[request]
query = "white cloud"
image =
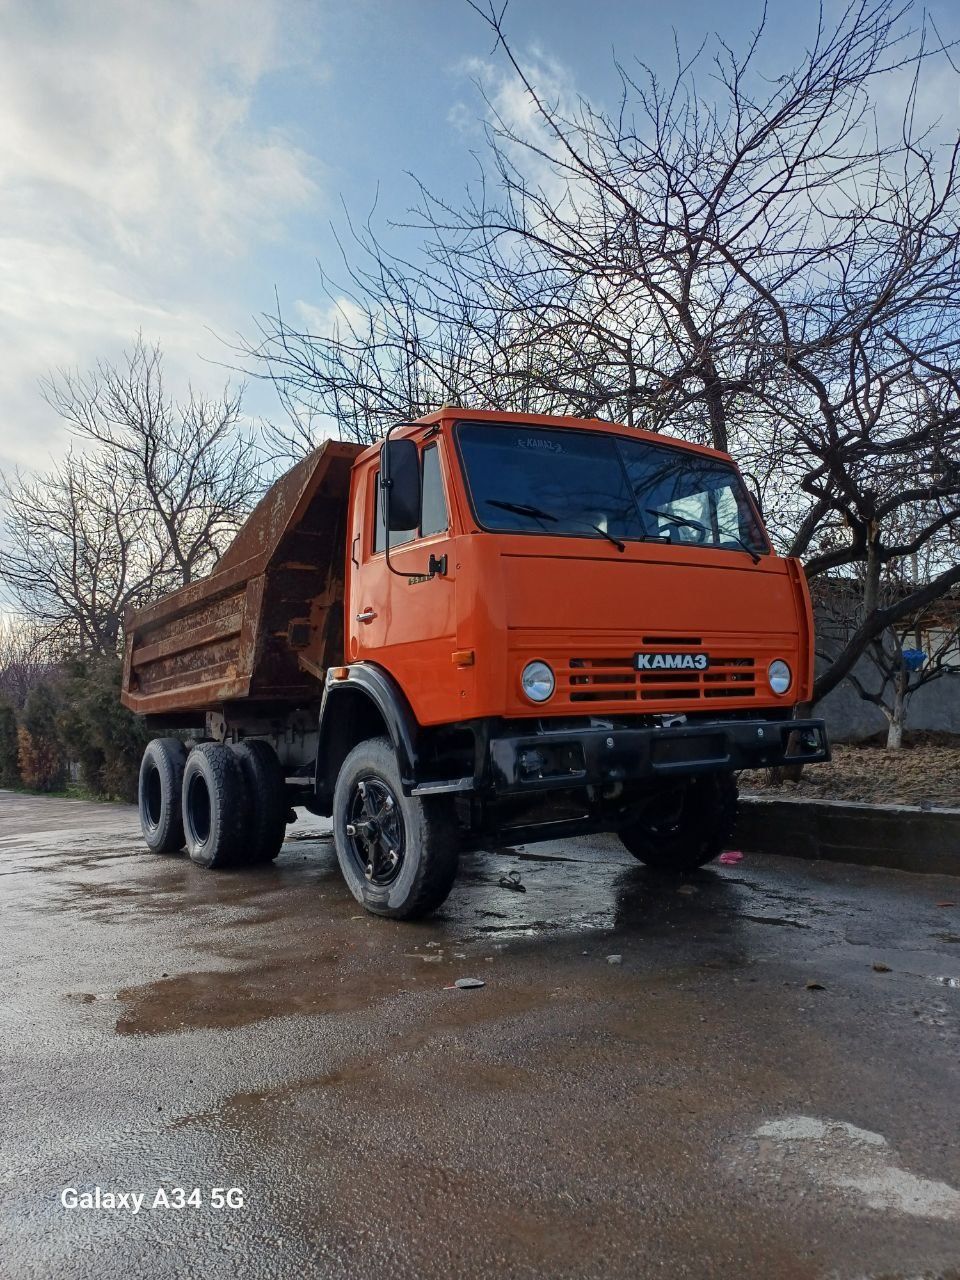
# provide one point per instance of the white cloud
(132, 164)
(532, 146)
(340, 314)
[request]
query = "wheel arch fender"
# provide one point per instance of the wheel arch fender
(366, 703)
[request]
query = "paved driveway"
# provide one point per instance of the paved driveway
(765, 1085)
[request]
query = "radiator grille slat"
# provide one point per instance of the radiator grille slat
(616, 679)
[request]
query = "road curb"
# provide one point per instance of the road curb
(903, 837)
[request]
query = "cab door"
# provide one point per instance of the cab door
(403, 617)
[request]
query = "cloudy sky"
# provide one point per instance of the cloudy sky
(167, 166)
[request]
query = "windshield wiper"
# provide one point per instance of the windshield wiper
(538, 513)
(697, 524)
(621, 546)
(735, 537)
(679, 520)
(522, 509)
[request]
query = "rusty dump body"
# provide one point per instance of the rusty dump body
(268, 621)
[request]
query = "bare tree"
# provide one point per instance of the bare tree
(150, 502)
(79, 551)
(26, 657)
(915, 652)
(188, 466)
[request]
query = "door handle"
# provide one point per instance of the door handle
(367, 615)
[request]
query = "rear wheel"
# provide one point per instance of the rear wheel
(398, 853)
(267, 792)
(686, 827)
(215, 807)
(158, 794)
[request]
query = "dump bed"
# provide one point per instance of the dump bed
(268, 621)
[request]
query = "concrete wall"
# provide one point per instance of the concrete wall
(849, 719)
(935, 707)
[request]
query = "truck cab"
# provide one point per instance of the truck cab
(549, 626)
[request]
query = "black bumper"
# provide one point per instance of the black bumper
(597, 757)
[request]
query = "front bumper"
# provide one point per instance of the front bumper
(599, 757)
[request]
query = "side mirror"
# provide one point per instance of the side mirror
(400, 484)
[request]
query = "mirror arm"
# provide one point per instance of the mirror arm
(385, 486)
(434, 566)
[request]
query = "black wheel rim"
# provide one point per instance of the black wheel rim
(666, 817)
(373, 832)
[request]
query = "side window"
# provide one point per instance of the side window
(397, 536)
(433, 512)
(728, 513)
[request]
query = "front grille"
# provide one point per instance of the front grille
(618, 680)
(602, 680)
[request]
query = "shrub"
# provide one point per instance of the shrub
(42, 762)
(98, 732)
(9, 747)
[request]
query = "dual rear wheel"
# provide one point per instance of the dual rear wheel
(227, 805)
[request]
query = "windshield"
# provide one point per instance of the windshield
(536, 479)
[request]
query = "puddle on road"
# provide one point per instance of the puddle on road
(306, 985)
(268, 940)
(231, 998)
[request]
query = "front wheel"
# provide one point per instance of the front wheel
(398, 853)
(687, 826)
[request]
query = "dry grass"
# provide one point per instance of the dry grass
(924, 773)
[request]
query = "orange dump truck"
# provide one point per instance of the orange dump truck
(489, 626)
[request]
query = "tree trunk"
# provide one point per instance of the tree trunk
(898, 712)
(794, 772)
(871, 584)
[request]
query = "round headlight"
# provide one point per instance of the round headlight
(537, 681)
(780, 676)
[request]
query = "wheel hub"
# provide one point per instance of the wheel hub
(374, 831)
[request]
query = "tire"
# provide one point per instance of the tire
(267, 797)
(688, 828)
(158, 794)
(421, 833)
(216, 809)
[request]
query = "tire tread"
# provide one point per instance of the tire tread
(264, 781)
(228, 804)
(169, 757)
(438, 851)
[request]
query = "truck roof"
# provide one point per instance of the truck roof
(454, 413)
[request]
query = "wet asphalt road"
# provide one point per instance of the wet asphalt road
(698, 1109)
